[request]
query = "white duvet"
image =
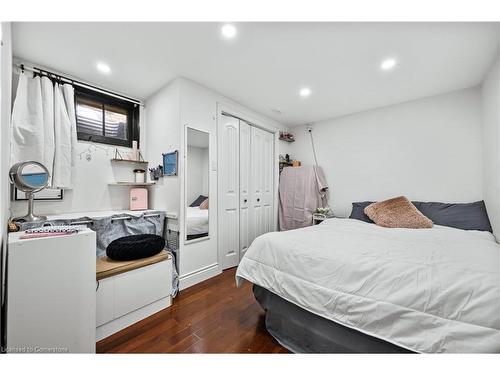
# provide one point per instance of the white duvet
(427, 290)
(197, 221)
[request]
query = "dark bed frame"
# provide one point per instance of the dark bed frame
(300, 331)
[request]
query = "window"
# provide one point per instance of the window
(105, 119)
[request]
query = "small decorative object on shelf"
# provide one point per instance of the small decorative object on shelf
(321, 214)
(287, 136)
(156, 173)
(140, 175)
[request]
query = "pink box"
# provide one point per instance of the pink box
(138, 199)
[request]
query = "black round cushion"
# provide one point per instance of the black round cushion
(135, 247)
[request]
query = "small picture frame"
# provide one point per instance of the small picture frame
(170, 163)
(44, 195)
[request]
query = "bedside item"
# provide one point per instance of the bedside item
(318, 218)
(29, 177)
(397, 212)
(138, 199)
(140, 175)
(170, 163)
(321, 214)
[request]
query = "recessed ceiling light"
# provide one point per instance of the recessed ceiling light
(228, 31)
(388, 64)
(103, 68)
(305, 92)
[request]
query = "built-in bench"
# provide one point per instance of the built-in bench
(106, 267)
(129, 291)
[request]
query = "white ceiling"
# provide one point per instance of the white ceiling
(267, 63)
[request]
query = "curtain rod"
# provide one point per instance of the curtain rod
(76, 82)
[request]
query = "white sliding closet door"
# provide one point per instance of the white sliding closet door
(245, 177)
(262, 151)
(245, 187)
(229, 191)
(268, 182)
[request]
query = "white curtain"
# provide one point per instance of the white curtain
(44, 127)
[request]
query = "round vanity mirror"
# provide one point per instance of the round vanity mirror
(29, 177)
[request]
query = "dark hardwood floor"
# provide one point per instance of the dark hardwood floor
(211, 317)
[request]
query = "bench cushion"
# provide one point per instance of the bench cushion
(135, 247)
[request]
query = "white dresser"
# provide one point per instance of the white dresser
(51, 289)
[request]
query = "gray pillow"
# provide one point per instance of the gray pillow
(468, 216)
(358, 211)
(198, 201)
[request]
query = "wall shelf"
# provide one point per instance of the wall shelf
(115, 160)
(124, 183)
(287, 140)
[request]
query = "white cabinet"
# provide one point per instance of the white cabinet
(131, 296)
(246, 186)
(51, 293)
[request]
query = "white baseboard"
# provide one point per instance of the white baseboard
(133, 317)
(195, 277)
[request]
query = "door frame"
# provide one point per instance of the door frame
(235, 111)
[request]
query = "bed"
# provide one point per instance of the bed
(197, 222)
(378, 289)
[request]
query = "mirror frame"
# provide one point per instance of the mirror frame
(15, 174)
(185, 202)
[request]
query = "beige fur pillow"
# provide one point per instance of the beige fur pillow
(204, 205)
(397, 213)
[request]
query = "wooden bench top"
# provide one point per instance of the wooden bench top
(106, 267)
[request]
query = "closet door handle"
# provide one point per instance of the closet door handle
(258, 199)
(245, 200)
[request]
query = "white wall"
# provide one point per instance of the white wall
(491, 144)
(163, 134)
(179, 104)
(5, 103)
(428, 149)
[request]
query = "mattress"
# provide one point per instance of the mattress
(427, 290)
(197, 221)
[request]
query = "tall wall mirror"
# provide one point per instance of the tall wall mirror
(197, 185)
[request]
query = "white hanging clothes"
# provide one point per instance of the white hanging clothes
(28, 132)
(69, 99)
(48, 124)
(44, 127)
(63, 141)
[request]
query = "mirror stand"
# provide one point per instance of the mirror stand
(30, 217)
(30, 177)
